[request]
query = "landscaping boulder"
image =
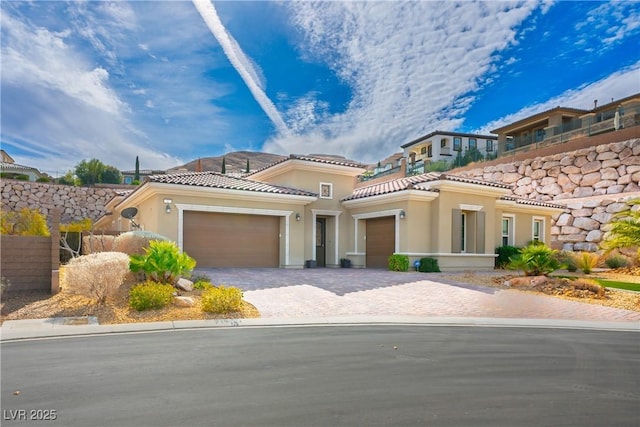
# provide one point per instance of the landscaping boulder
(184, 284)
(184, 301)
(528, 282)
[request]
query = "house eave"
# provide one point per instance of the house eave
(399, 196)
(305, 165)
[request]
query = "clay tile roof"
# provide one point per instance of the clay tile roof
(413, 182)
(315, 159)
(532, 202)
(218, 180)
(122, 192)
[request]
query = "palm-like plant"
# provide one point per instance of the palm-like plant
(625, 229)
(535, 260)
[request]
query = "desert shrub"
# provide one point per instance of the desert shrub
(589, 285)
(221, 299)
(4, 285)
(428, 265)
(199, 277)
(162, 262)
(135, 242)
(97, 243)
(535, 260)
(96, 276)
(202, 284)
(616, 261)
(26, 222)
(586, 261)
(150, 295)
(504, 255)
(567, 259)
(398, 262)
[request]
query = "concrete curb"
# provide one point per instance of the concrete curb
(16, 330)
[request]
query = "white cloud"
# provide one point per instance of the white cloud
(619, 85)
(408, 64)
(240, 62)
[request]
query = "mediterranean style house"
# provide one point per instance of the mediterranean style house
(440, 145)
(307, 210)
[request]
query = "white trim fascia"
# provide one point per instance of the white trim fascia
(511, 206)
(356, 253)
(466, 187)
(305, 165)
(400, 196)
(323, 212)
(470, 208)
(223, 193)
(237, 210)
(468, 255)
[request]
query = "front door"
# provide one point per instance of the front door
(321, 242)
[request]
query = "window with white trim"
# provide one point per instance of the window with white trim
(507, 230)
(326, 190)
(537, 234)
(457, 143)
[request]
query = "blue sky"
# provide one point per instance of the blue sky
(171, 81)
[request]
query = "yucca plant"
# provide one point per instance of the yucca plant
(586, 261)
(162, 262)
(535, 260)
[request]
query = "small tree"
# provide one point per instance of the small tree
(74, 229)
(224, 165)
(247, 168)
(136, 174)
(111, 175)
(27, 222)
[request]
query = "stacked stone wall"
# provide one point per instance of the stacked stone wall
(594, 184)
(75, 203)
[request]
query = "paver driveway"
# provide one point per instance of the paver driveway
(345, 292)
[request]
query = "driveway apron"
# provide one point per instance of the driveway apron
(324, 292)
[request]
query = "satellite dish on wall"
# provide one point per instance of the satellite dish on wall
(129, 213)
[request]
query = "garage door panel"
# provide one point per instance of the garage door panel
(232, 240)
(380, 241)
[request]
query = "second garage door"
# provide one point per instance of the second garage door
(381, 241)
(232, 240)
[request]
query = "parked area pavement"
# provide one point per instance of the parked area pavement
(361, 296)
(340, 292)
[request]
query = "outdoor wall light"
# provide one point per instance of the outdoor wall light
(298, 217)
(402, 214)
(167, 203)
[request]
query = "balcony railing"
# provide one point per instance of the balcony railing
(601, 123)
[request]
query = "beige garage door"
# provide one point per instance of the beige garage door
(381, 241)
(232, 240)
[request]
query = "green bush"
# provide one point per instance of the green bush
(221, 299)
(398, 262)
(504, 255)
(150, 295)
(567, 260)
(616, 261)
(162, 262)
(202, 284)
(535, 260)
(429, 265)
(586, 261)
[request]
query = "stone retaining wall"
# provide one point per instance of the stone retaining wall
(594, 183)
(75, 203)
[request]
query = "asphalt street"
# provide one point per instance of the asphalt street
(396, 375)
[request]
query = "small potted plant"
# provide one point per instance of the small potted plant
(345, 263)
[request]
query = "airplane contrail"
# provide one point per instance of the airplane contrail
(239, 61)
